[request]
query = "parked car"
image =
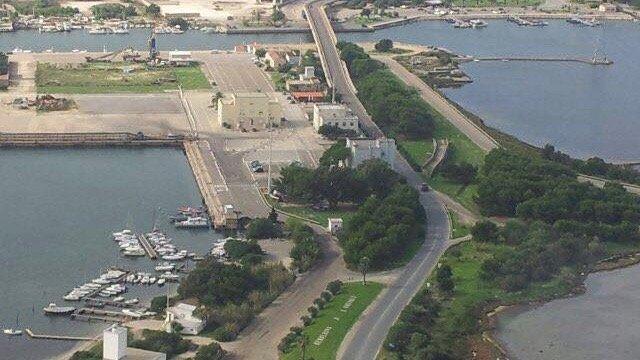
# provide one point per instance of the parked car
(424, 187)
(256, 166)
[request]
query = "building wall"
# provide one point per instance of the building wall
(363, 150)
(334, 115)
(248, 111)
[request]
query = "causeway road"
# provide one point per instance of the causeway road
(479, 137)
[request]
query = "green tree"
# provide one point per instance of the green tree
(485, 231)
(262, 228)
(212, 351)
(277, 15)
(153, 10)
(261, 52)
(365, 12)
(336, 154)
(444, 277)
(384, 45)
(158, 304)
(363, 267)
(180, 22)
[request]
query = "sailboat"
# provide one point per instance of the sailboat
(14, 331)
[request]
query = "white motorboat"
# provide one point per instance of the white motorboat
(161, 281)
(193, 222)
(12, 332)
(132, 301)
(53, 309)
(71, 297)
(118, 299)
(165, 266)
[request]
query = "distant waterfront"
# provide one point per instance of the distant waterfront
(583, 110)
(58, 209)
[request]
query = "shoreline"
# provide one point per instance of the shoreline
(490, 318)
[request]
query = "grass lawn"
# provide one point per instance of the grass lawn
(102, 78)
(416, 151)
(465, 195)
(333, 322)
(458, 229)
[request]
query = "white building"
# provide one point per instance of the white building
(182, 58)
(114, 347)
(608, 8)
(183, 314)
(335, 225)
(248, 110)
(366, 149)
(309, 73)
(334, 115)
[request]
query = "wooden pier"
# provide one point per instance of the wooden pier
(93, 314)
(151, 252)
(57, 337)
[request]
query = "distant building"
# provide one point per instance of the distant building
(274, 59)
(181, 58)
(334, 115)
(335, 225)
(248, 110)
(309, 73)
(366, 149)
(182, 314)
(114, 347)
(309, 96)
(608, 8)
(312, 84)
(292, 58)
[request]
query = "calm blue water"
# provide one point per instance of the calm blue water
(58, 209)
(581, 109)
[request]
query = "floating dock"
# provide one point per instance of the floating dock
(151, 252)
(57, 337)
(93, 314)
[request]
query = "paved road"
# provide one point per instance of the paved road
(325, 40)
(234, 72)
(260, 339)
(364, 341)
(455, 117)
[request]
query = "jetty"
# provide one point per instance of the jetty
(57, 337)
(151, 252)
(93, 314)
(592, 61)
(203, 178)
(87, 139)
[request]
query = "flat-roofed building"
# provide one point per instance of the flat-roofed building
(181, 57)
(366, 149)
(248, 110)
(334, 115)
(183, 314)
(114, 347)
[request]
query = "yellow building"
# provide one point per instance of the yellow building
(251, 110)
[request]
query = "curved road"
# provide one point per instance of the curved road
(366, 337)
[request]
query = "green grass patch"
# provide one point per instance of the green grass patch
(279, 80)
(416, 151)
(329, 328)
(465, 195)
(458, 229)
(102, 78)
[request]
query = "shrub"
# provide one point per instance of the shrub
(313, 311)
(158, 304)
(262, 228)
(223, 334)
(319, 302)
(384, 45)
(334, 287)
(160, 341)
(485, 231)
(326, 296)
(306, 320)
(212, 351)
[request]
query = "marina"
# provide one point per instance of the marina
(133, 182)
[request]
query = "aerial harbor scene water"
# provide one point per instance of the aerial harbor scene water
(319, 179)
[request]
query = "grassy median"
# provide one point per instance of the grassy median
(103, 78)
(329, 328)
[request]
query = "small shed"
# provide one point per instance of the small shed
(335, 225)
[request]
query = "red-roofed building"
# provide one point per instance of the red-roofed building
(309, 96)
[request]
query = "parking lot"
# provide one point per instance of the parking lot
(234, 72)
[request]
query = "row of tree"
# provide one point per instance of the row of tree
(113, 11)
(396, 109)
(306, 250)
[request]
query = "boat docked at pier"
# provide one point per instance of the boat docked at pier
(53, 309)
(193, 222)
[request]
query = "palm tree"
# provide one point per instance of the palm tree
(363, 266)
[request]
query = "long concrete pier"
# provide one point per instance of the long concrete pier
(84, 140)
(57, 337)
(206, 185)
(557, 59)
